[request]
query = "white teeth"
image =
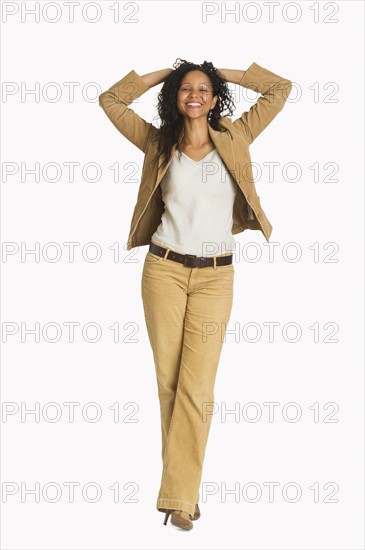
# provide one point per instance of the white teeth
(197, 104)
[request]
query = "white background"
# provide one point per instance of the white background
(319, 58)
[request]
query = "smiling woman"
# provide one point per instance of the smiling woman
(192, 95)
(192, 199)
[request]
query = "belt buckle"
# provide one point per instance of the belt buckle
(186, 258)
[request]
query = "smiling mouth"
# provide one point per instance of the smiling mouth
(194, 105)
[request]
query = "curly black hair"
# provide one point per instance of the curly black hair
(172, 121)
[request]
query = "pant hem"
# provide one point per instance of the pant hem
(164, 504)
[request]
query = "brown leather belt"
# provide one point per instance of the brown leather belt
(190, 260)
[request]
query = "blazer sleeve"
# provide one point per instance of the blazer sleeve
(275, 91)
(115, 101)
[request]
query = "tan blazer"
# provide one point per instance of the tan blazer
(232, 144)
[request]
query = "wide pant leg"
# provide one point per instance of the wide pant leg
(186, 311)
(164, 302)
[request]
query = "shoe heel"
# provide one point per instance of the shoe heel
(167, 516)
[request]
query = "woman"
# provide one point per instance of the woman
(196, 191)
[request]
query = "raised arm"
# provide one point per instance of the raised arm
(274, 89)
(156, 77)
(116, 99)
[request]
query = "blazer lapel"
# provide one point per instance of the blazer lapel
(223, 144)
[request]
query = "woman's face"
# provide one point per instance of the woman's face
(195, 95)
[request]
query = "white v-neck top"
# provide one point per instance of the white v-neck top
(198, 198)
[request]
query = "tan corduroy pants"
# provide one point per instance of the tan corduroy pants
(186, 311)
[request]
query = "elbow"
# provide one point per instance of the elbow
(101, 99)
(105, 98)
(289, 86)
